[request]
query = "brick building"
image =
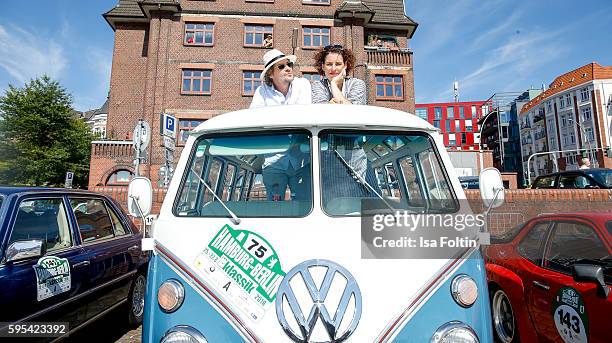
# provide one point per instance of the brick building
(574, 115)
(457, 121)
(199, 59)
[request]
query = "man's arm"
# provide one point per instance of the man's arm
(305, 96)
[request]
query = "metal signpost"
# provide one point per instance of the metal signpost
(141, 139)
(168, 133)
(69, 178)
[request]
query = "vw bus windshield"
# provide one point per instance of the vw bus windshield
(404, 170)
(253, 175)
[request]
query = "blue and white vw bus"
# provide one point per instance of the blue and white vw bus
(262, 237)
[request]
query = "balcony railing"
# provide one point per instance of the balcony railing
(112, 149)
(389, 57)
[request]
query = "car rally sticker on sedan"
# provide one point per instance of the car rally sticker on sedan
(52, 276)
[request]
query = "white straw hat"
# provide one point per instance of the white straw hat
(271, 57)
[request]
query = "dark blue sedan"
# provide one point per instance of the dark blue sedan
(67, 256)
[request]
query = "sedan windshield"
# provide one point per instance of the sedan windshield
(402, 171)
(603, 176)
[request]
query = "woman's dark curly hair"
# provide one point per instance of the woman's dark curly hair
(347, 56)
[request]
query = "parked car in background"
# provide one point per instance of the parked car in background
(67, 256)
(549, 279)
(576, 179)
(469, 182)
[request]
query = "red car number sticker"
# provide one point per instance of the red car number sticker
(570, 316)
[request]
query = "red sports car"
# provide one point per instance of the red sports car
(549, 280)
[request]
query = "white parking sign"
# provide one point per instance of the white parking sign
(168, 125)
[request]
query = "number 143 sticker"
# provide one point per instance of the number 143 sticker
(570, 316)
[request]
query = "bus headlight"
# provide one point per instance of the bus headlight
(455, 332)
(170, 295)
(183, 334)
(464, 290)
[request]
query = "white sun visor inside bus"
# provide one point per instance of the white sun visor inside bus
(237, 146)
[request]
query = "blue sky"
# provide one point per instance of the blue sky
(487, 45)
(65, 39)
(493, 46)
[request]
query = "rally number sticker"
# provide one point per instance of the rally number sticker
(570, 316)
(244, 267)
(52, 277)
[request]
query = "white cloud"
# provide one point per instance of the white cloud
(99, 61)
(511, 65)
(25, 55)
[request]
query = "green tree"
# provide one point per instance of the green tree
(40, 140)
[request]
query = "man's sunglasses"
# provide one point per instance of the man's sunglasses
(333, 47)
(282, 66)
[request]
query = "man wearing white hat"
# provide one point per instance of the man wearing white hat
(280, 86)
(292, 167)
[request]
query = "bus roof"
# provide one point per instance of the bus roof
(307, 116)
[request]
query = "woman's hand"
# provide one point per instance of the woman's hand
(338, 80)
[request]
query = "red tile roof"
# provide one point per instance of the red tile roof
(589, 72)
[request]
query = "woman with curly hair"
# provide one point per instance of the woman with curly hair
(334, 62)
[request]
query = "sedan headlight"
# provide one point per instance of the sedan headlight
(183, 334)
(170, 295)
(455, 332)
(464, 290)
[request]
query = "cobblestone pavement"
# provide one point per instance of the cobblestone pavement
(110, 328)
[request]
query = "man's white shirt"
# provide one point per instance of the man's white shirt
(299, 93)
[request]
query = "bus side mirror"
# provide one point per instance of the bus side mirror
(140, 197)
(491, 188)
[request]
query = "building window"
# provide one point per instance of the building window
(586, 113)
(450, 112)
(119, 178)
(437, 112)
(485, 110)
(461, 112)
(250, 82)
(563, 121)
(474, 111)
(196, 81)
(185, 126)
(561, 102)
(463, 138)
(258, 36)
(316, 2)
(452, 139)
(436, 124)
(468, 125)
(448, 126)
(589, 134)
(312, 77)
(568, 99)
(457, 125)
(315, 37)
(389, 87)
(584, 94)
(421, 113)
(572, 138)
(199, 34)
(549, 106)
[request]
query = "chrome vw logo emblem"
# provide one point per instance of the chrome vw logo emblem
(318, 311)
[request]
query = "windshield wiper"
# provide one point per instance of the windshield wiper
(235, 219)
(363, 181)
